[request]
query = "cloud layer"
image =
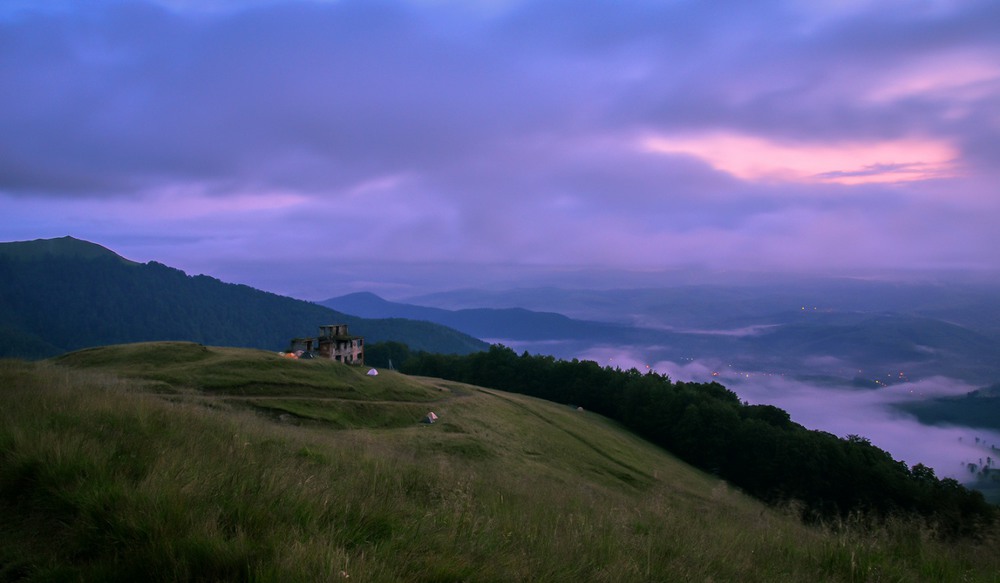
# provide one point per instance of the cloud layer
(783, 136)
(839, 409)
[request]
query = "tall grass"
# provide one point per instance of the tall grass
(101, 481)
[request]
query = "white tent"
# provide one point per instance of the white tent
(430, 418)
(373, 373)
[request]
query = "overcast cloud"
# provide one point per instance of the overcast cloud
(236, 138)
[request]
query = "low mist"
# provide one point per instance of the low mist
(840, 409)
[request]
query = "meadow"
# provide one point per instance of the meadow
(179, 462)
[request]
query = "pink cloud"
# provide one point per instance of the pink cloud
(958, 77)
(758, 159)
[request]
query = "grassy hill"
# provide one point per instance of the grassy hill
(176, 461)
(58, 295)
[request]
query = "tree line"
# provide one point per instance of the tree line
(757, 448)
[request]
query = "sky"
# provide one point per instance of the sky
(314, 148)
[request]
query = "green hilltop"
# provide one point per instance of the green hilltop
(59, 295)
(39, 249)
(176, 461)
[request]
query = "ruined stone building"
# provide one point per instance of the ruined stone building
(335, 343)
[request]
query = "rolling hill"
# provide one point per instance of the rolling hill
(58, 295)
(177, 461)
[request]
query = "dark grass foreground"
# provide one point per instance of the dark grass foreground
(229, 465)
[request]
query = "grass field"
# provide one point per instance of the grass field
(177, 462)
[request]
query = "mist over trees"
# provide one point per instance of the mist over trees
(757, 448)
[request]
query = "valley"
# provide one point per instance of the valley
(885, 360)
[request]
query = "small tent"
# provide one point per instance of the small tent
(373, 373)
(430, 418)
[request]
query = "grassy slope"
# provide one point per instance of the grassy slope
(174, 461)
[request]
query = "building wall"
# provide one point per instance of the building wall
(349, 350)
(335, 343)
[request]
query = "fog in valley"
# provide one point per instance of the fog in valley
(824, 404)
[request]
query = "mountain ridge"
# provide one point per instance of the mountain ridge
(759, 337)
(58, 295)
(492, 323)
(67, 246)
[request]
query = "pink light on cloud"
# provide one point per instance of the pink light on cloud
(758, 159)
(955, 77)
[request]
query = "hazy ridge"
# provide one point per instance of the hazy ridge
(784, 328)
(64, 294)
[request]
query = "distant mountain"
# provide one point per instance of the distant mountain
(980, 408)
(58, 295)
(971, 305)
(490, 323)
(839, 329)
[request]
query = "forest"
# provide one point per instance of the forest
(756, 448)
(65, 294)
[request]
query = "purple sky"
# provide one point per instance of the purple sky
(315, 148)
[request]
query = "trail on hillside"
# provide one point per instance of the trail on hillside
(590, 445)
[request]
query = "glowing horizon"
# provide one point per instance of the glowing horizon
(852, 163)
